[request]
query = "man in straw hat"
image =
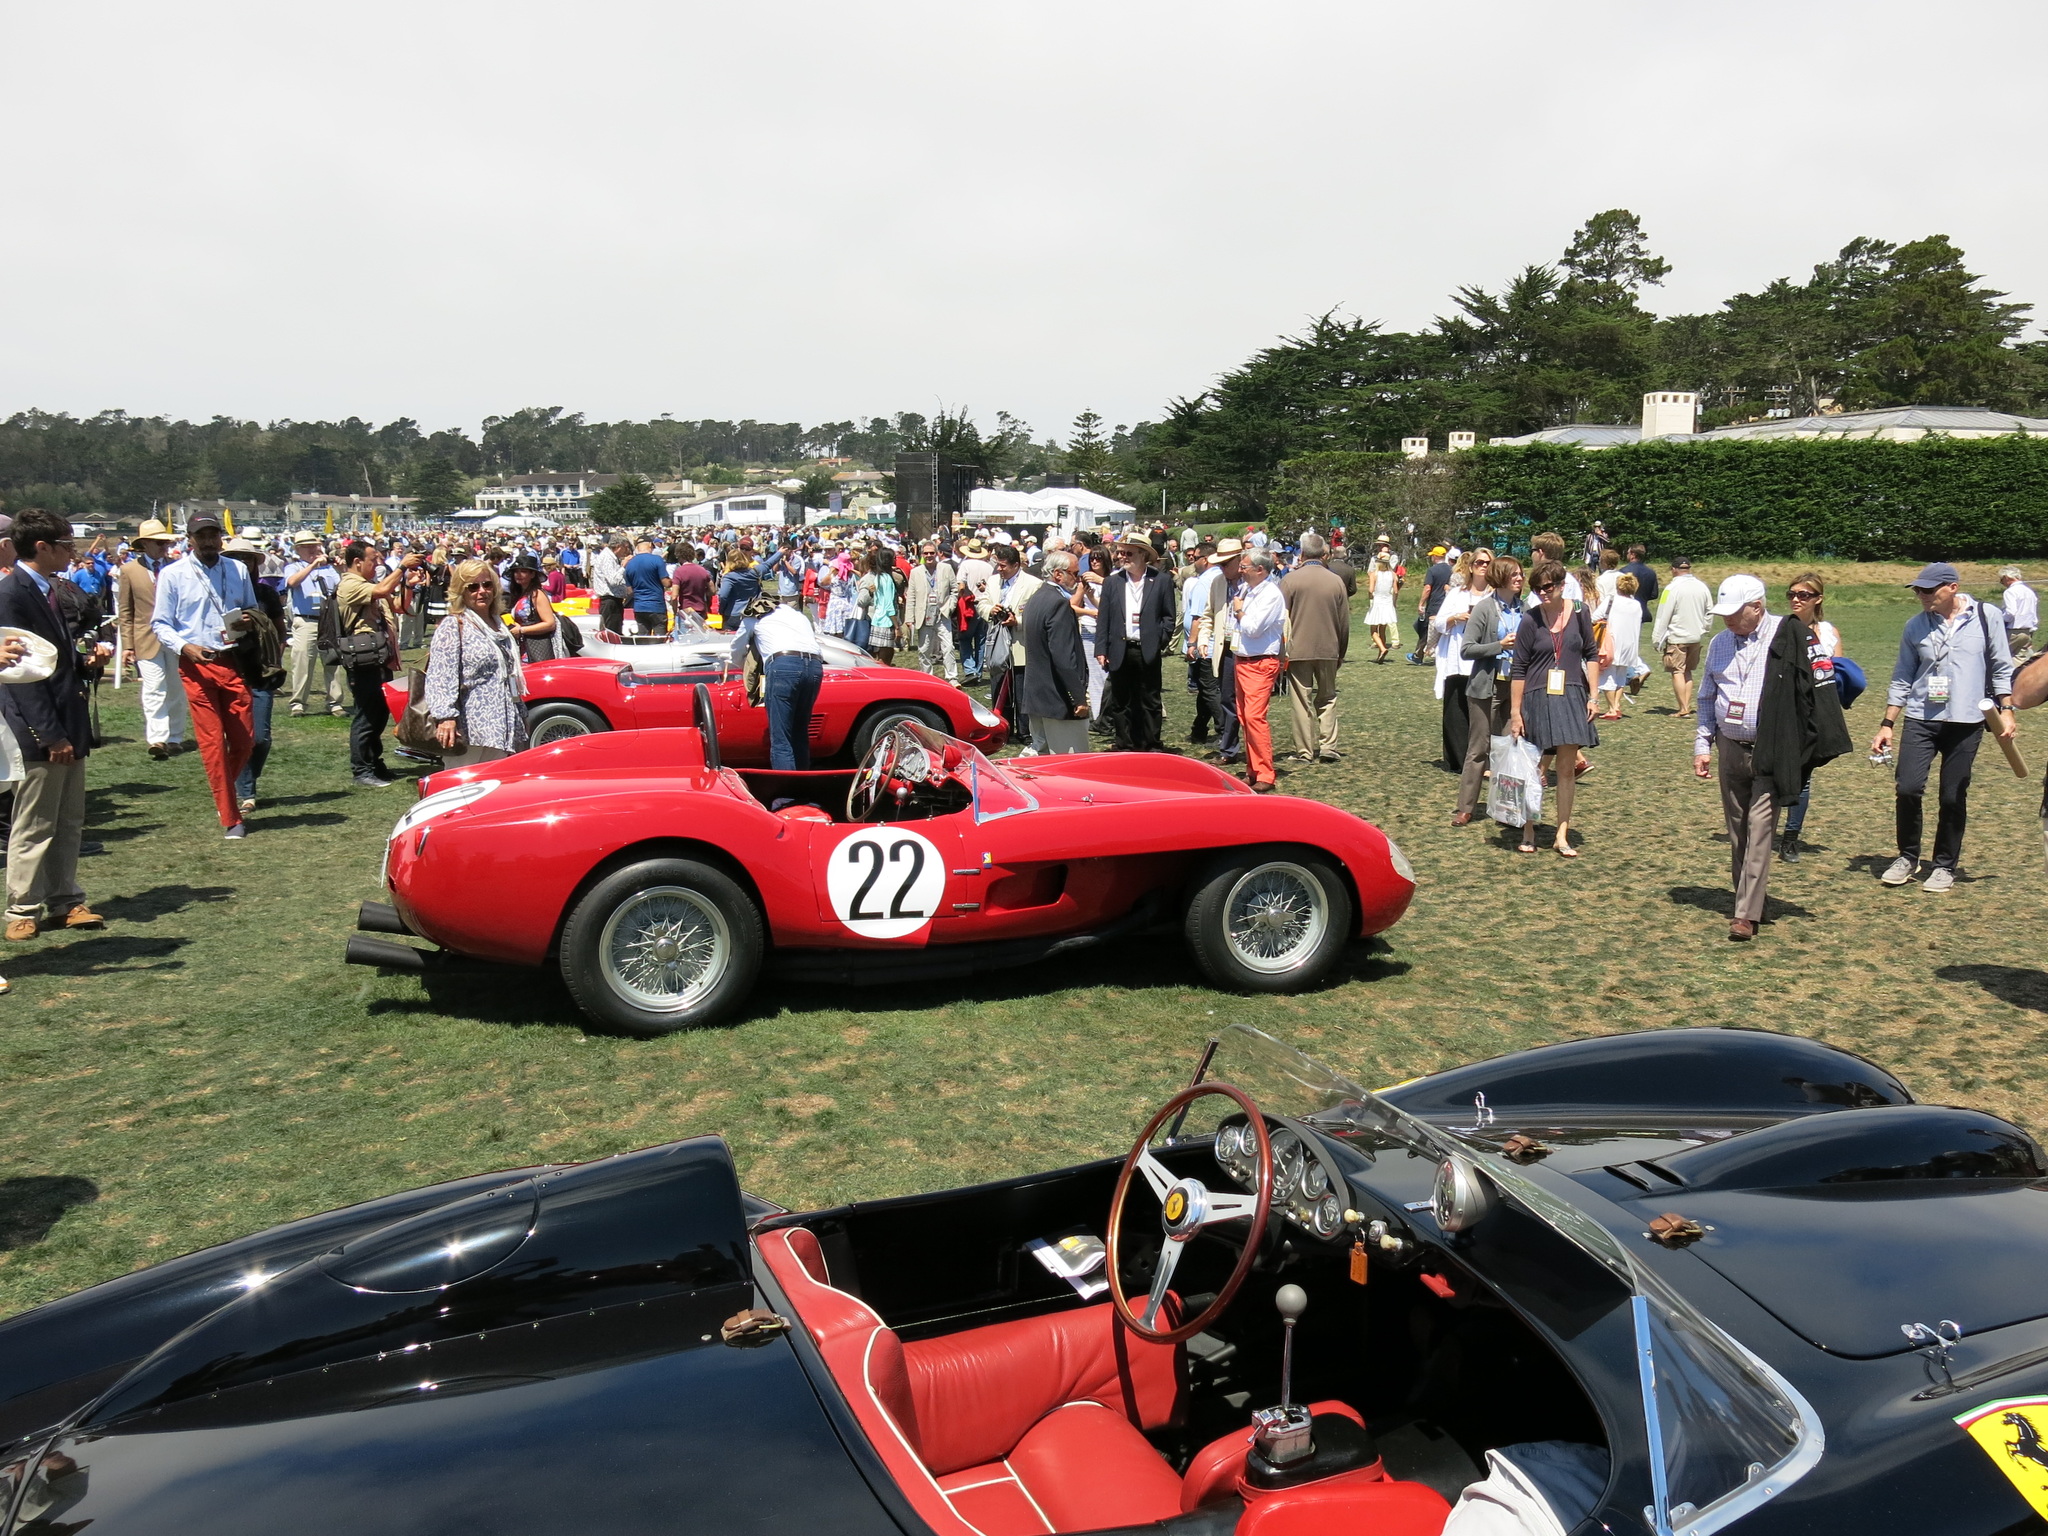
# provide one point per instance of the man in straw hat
(308, 581)
(164, 713)
(1133, 627)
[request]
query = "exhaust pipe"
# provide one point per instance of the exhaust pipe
(384, 954)
(381, 917)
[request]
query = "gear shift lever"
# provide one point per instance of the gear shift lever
(1281, 1436)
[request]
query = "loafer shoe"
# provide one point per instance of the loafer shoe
(21, 928)
(1741, 930)
(1939, 880)
(159, 751)
(83, 917)
(1899, 871)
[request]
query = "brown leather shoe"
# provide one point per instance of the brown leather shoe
(83, 917)
(1741, 930)
(1462, 819)
(21, 928)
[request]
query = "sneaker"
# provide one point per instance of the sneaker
(248, 805)
(337, 711)
(1788, 850)
(298, 710)
(238, 830)
(1938, 880)
(1900, 871)
(19, 928)
(372, 781)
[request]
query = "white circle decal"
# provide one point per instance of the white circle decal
(885, 882)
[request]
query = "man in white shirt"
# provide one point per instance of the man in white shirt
(2022, 611)
(1261, 620)
(974, 571)
(1681, 625)
(202, 605)
(608, 581)
(792, 669)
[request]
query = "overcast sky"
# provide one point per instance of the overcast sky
(809, 211)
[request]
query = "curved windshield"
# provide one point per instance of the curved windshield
(1727, 1432)
(992, 792)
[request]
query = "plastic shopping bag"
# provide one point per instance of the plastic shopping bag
(1514, 798)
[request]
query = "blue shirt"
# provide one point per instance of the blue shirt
(644, 574)
(571, 557)
(1953, 649)
(193, 601)
(309, 594)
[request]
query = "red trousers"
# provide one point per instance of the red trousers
(1257, 676)
(220, 719)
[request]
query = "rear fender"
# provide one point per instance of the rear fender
(660, 848)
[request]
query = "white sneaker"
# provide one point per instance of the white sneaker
(1939, 880)
(1900, 871)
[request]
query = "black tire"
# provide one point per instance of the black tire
(886, 717)
(1282, 880)
(601, 949)
(559, 720)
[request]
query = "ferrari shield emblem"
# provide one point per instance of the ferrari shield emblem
(1176, 1205)
(2014, 1434)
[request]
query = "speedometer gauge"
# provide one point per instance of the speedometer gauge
(1286, 1160)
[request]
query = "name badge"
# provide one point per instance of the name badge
(1937, 690)
(1738, 711)
(1556, 683)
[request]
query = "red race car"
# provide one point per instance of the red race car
(582, 695)
(659, 880)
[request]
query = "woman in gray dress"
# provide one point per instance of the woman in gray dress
(473, 687)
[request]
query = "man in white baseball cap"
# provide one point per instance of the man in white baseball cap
(1730, 707)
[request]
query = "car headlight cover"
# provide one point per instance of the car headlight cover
(1400, 860)
(441, 802)
(984, 717)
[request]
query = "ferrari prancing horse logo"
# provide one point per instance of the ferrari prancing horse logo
(2014, 1433)
(886, 882)
(1176, 1205)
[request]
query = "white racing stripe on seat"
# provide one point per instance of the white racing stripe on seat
(1027, 1494)
(867, 1377)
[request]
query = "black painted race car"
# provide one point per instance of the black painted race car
(1676, 1282)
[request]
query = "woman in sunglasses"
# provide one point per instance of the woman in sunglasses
(1808, 598)
(473, 688)
(1556, 675)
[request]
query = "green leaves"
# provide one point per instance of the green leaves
(631, 503)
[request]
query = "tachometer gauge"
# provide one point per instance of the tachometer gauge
(1286, 1161)
(1315, 1180)
(1329, 1217)
(1230, 1145)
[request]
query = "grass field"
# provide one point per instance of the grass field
(207, 1066)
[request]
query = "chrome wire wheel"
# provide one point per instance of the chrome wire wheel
(1275, 917)
(557, 728)
(664, 948)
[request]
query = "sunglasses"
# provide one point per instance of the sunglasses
(1550, 586)
(1803, 597)
(479, 586)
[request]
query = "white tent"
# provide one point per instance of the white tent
(514, 520)
(985, 502)
(1068, 507)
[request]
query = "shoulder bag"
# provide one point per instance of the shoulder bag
(419, 732)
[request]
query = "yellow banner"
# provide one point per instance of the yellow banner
(227, 519)
(330, 522)
(2014, 1434)
(376, 521)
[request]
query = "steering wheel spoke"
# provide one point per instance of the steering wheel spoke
(1155, 1174)
(1162, 1282)
(1223, 1208)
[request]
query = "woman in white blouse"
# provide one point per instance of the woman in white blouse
(473, 686)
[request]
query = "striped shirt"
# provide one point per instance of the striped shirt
(1732, 684)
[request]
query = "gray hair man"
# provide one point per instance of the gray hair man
(1055, 667)
(2022, 611)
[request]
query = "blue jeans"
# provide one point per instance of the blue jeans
(789, 687)
(260, 700)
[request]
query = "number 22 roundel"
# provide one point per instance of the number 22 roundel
(885, 882)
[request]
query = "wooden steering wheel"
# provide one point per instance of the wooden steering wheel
(1186, 1207)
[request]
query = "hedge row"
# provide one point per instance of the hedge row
(1938, 498)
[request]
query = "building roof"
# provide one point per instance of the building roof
(555, 477)
(1903, 421)
(1585, 434)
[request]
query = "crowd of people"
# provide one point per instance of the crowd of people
(1071, 634)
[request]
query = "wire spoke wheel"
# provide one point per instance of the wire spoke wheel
(664, 948)
(1275, 916)
(558, 728)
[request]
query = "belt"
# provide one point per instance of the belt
(769, 656)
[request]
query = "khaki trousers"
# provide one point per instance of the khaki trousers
(42, 850)
(1312, 691)
(305, 657)
(1752, 816)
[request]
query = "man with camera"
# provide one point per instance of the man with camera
(369, 654)
(308, 580)
(1001, 602)
(202, 603)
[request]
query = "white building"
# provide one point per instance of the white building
(312, 509)
(747, 507)
(560, 494)
(1670, 415)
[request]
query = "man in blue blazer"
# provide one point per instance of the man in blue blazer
(51, 723)
(1133, 628)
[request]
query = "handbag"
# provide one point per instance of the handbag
(1514, 796)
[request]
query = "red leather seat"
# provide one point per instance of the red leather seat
(1034, 1427)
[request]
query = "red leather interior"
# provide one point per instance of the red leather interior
(1218, 1465)
(1085, 1467)
(1365, 1508)
(978, 1392)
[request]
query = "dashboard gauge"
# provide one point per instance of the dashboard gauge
(1329, 1219)
(1229, 1145)
(1315, 1180)
(1286, 1161)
